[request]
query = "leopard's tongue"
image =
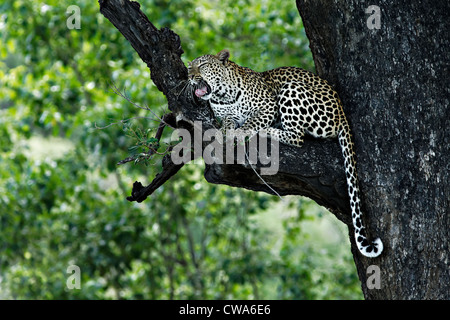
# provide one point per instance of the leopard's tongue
(201, 92)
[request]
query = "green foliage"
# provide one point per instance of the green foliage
(62, 196)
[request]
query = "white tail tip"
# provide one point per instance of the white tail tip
(372, 250)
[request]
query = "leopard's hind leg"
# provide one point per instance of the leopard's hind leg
(290, 137)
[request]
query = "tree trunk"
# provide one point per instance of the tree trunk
(392, 82)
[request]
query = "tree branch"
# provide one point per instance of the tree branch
(315, 170)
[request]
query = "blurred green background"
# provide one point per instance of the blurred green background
(62, 196)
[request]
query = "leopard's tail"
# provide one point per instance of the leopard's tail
(375, 248)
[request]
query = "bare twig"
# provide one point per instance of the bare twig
(120, 122)
(124, 95)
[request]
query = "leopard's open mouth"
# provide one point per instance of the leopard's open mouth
(202, 89)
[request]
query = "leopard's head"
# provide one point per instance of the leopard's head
(207, 73)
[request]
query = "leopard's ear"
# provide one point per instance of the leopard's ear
(223, 56)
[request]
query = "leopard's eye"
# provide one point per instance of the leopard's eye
(202, 65)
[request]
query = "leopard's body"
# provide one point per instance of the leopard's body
(287, 102)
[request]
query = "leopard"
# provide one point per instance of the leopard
(288, 103)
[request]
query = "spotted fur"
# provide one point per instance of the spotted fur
(287, 102)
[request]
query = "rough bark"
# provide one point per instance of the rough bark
(393, 85)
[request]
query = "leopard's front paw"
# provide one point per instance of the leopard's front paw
(244, 134)
(224, 135)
